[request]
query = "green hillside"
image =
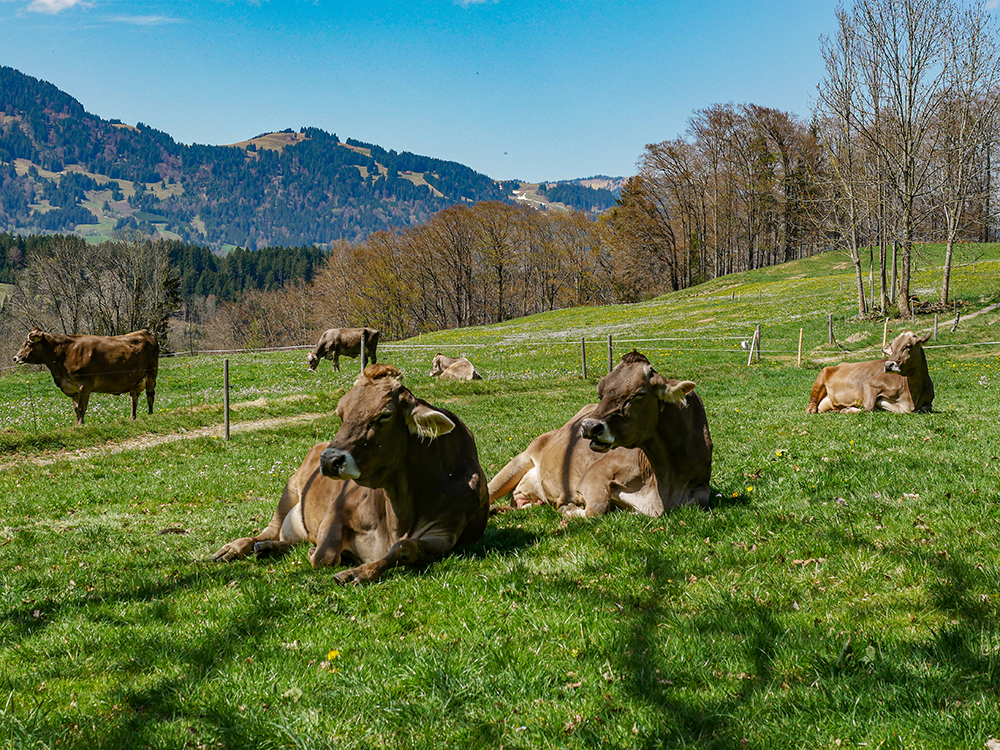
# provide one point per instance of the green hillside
(841, 592)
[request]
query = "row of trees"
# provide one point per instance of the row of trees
(70, 286)
(899, 150)
(908, 111)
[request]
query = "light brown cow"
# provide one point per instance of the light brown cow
(81, 365)
(900, 383)
(453, 368)
(646, 447)
(346, 341)
(400, 484)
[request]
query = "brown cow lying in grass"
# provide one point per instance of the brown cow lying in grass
(81, 365)
(900, 383)
(645, 447)
(453, 368)
(400, 484)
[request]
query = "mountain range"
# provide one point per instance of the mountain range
(63, 169)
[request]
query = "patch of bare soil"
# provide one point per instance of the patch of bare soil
(151, 441)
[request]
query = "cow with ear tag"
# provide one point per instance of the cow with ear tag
(400, 484)
(646, 448)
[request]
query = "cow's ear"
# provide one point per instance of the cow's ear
(600, 387)
(922, 339)
(35, 336)
(427, 422)
(671, 391)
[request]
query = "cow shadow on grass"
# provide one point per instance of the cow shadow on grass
(498, 541)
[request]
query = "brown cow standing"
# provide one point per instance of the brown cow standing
(646, 447)
(346, 341)
(453, 368)
(900, 383)
(81, 365)
(400, 484)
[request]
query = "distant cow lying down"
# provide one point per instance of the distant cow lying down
(453, 368)
(645, 447)
(400, 484)
(346, 341)
(81, 365)
(900, 383)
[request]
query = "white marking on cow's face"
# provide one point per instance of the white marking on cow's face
(350, 469)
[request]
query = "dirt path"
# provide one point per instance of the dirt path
(151, 441)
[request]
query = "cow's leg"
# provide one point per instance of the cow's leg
(825, 405)
(592, 496)
(329, 541)
(134, 395)
(80, 404)
(240, 548)
(870, 397)
(508, 477)
(409, 551)
(150, 389)
(818, 395)
(336, 361)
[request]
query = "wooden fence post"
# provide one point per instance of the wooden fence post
(583, 356)
(958, 317)
(798, 362)
(935, 325)
(829, 325)
(225, 396)
(885, 332)
(611, 362)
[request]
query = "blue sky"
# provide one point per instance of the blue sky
(515, 89)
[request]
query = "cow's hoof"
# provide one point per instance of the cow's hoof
(346, 577)
(265, 549)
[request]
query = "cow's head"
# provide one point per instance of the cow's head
(311, 361)
(437, 366)
(632, 397)
(905, 353)
(30, 352)
(378, 417)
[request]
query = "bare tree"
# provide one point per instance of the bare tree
(968, 117)
(895, 46)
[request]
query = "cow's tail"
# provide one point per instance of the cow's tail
(818, 394)
(507, 478)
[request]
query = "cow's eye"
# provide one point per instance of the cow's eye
(384, 416)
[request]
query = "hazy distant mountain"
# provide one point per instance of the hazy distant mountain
(64, 169)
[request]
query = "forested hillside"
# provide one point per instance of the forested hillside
(64, 169)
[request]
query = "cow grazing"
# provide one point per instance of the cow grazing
(900, 383)
(81, 365)
(346, 341)
(400, 484)
(453, 368)
(645, 447)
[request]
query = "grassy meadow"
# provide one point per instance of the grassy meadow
(842, 592)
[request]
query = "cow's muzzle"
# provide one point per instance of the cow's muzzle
(598, 433)
(891, 366)
(338, 464)
(19, 359)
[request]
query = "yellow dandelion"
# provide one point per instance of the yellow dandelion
(334, 654)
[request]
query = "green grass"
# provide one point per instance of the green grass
(842, 592)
